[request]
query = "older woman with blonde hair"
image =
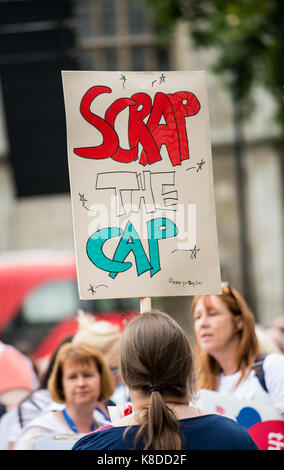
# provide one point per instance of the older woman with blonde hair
(81, 382)
(228, 353)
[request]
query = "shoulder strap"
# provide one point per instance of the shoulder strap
(20, 414)
(258, 368)
(2, 409)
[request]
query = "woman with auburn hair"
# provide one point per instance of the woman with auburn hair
(81, 381)
(157, 366)
(228, 354)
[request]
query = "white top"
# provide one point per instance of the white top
(251, 389)
(4, 427)
(48, 424)
(121, 395)
(10, 427)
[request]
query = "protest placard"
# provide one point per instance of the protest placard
(248, 412)
(264, 422)
(141, 180)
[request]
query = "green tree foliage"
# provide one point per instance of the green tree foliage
(248, 34)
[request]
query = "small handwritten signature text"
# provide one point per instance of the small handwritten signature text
(181, 283)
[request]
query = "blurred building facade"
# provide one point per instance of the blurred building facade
(119, 35)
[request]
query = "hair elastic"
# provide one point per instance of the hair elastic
(155, 388)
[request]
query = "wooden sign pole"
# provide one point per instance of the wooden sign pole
(145, 304)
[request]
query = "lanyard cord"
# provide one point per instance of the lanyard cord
(104, 415)
(71, 423)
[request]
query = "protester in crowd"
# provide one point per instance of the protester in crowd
(36, 403)
(227, 350)
(82, 381)
(17, 376)
(105, 337)
(157, 366)
(276, 331)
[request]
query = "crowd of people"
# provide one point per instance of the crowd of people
(81, 382)
(151, 374)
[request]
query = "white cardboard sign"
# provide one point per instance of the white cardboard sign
(141, 179)
(234, 408)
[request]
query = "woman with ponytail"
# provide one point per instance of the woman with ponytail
(157, 366)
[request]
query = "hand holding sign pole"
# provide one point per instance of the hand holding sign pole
(140, 169)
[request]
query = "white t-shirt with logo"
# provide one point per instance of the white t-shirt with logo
(251, 389)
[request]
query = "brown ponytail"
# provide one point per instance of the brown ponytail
(156, 359)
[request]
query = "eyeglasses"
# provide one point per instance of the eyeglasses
(225, 285)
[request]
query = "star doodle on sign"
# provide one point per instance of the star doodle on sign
(200, 165)
(82, 198)
(123, 77)
(162, 78)
(92, 289)
(194, 252)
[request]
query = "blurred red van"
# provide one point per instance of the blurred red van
(39, 301)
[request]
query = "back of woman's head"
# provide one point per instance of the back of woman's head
(156, 360)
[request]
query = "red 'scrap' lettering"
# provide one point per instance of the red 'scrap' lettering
(174, 108)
